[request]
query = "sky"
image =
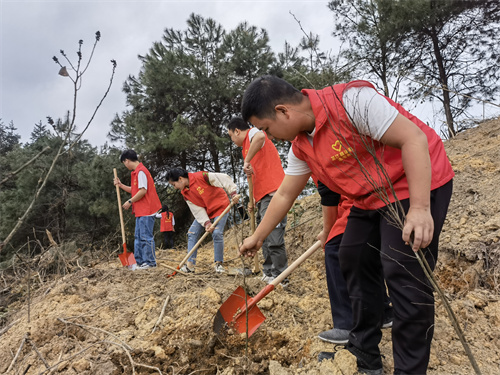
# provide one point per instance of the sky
(32, 32)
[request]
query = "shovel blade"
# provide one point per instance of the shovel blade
(127, 258)
(229, 313)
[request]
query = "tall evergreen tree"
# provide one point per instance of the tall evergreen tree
(189, 86)
(373, 34)
(455, 45)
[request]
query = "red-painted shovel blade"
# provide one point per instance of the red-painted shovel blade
(126, 258)
(232, 307)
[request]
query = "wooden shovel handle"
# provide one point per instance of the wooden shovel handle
(270, 287)
(204, 235)
(296, 263)
(251, 204)
(120, 206)
(256, 264)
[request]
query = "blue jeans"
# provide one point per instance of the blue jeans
(144, 243)
(195, 232)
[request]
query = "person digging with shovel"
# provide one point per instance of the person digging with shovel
(205, 195)
(145, 204)
(262, 164)
(367, 147)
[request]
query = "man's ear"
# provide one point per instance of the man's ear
(281, 109)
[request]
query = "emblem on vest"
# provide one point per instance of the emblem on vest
(200, 190)
(341, 154)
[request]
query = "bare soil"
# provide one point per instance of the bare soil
(100, 318)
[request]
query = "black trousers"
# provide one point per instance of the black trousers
(168, 239)
(371, 249)
(340, 304)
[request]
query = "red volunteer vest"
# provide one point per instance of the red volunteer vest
(266, 164)
(201, 193)
(344, 208)
(150, 203)
(166, 222)
(336, 141)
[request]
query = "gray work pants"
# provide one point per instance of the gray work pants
(273, 248)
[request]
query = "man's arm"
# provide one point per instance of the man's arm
(256, 143)
(281, 202)
(126, 188)
(412, 141)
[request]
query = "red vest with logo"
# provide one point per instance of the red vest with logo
(150, 203)
(266, 164)
(201, 193)
(166, 222)
(336, 141)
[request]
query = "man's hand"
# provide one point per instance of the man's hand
(250, 207)
(247, 168)
(419, 228)
(322, 236)
(250, 247)
(116, 181)
(127, 205)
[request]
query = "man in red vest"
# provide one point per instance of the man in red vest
(145, 203)
(368, 148)
(262, 163)
(205, 195)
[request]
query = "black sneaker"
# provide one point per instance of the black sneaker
(367, 364)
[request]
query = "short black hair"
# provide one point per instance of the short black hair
(174, 174)
(264, 93)
(128, 154)
(237, 123)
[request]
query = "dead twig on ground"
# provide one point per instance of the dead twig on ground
(161, 314)
(25, 337)
(87, 327)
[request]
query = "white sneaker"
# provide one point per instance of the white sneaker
(267, 279)
(219, 268)
(186, 269)
(144, 266)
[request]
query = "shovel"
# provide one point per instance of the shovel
(256, 264)
(127, 259)
(239, 308)
(202, 238)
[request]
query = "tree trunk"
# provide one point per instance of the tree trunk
(443, 78)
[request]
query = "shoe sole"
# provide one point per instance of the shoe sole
(387, 325)
(339, 342)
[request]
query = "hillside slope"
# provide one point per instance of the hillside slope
(99, 320)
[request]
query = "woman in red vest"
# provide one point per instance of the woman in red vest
(205, 195)
(145, 204)
(368, 148)
(167, 226)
